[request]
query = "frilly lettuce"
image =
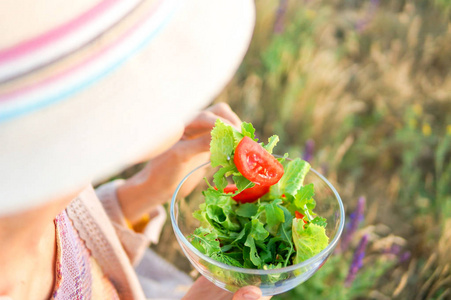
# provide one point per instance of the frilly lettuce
(309, 240)
(264, 234)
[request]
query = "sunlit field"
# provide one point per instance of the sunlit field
(361, 89)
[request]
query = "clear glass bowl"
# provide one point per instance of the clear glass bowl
(271, 282)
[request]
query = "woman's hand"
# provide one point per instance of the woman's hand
(156, 183)
(204, 289)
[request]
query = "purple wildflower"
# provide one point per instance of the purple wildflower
(369, 16)
(405, 256)
(395, 249)
(395, 252)
(308, 150)
(280, 17)
(351, 227)
(357, 261)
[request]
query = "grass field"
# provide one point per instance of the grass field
(363, 90)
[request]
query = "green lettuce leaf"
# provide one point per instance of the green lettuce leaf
(222, 144)
(276, 276)
(218, 211)
(253, 253)
(221, 218)
(320, 221)
(247, 210)
(248, 130)
(219, 178)
(292, 179)
(308, 241)
(241, 182)
(272, 142)
(274, 216)
(304, 201)
(205, 241)
(257, 233)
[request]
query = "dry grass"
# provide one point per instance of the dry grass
(374, 100)
(370, 83)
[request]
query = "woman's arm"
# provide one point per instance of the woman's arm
(156, 183)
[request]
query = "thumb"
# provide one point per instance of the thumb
(249, 293)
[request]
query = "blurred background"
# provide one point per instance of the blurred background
(362, 90)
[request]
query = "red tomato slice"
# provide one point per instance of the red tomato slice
(247, 195)
(300, 216)
(257, 164)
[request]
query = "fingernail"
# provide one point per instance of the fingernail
(251, 296)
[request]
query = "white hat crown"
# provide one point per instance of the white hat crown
(70, 117)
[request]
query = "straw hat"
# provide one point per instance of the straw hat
(87, 87)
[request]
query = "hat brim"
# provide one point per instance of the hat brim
(130, 112)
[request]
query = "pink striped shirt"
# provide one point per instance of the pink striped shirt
(78, 275)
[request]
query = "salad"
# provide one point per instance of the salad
(257, 212)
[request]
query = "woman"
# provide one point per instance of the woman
(85, 90)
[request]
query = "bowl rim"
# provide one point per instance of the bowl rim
(326, 251)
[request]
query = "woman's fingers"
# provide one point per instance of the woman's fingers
(193, 146)
(203, 123)
(224, 111)
(206, 120)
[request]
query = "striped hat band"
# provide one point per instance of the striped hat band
(70, 57)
